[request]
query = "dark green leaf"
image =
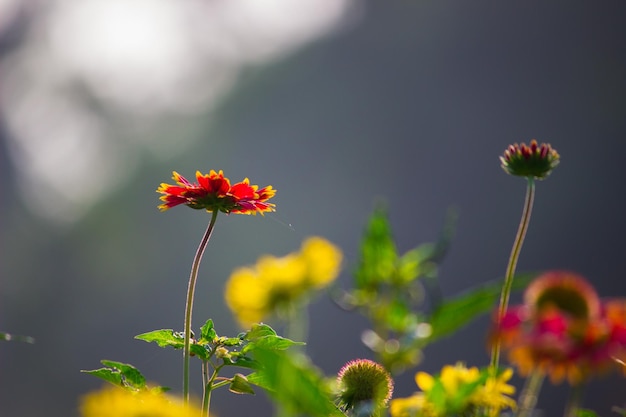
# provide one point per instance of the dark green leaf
(120, 374)
(130, 374)
(454, 314)
(200, 351)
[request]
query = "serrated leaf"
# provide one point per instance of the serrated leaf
(455, 313)
(207, 332)
(120, 374)
(130, 374)
(163, 338)
(107, 374)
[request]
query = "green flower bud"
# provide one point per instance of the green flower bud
(364, 385)
(534, 160)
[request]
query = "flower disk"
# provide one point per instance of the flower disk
(533, 161)
(213, 192)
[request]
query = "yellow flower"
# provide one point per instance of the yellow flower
(275, 284)
(413, 406)
(118, 402)
(452, 378)
(323, 260)
(457, 390)
(494, 395)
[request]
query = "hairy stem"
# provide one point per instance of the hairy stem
(189, 305)
(510, 270)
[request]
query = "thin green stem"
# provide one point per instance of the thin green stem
(573, 403)
(529, 395)
(189, 305)
(208, 389)
(510, 270)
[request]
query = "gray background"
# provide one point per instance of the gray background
(412, 103)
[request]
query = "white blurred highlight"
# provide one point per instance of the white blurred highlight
(88, 64)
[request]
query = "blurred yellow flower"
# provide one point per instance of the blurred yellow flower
(118, 402)
(415, 405)
(274, 283)
(459, 390)
(323, 261)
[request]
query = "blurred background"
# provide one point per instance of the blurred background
(337, 104)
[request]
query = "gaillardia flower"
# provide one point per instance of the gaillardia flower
(213, 192)
(534, 160)
(364, 383)
(118, 402)
(563, 329)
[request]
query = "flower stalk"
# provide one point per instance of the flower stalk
(529, 395)
(189, 304)
(513, 258)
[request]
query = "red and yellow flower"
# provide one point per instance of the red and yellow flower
(563, 329)
(214, 192)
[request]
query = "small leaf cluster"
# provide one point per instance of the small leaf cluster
(391, 290)
(211, 349)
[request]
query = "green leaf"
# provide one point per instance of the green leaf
(241, 360)
(229, 341)
(120, 374)
(378, 258)
(260, 380)
(16, 338)
(294, 383)
(259, 330)
(163, 338)
(454, 314)
(108, 374)
(416, 263)
(207, 332)
(200, 351)
(271, 342)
